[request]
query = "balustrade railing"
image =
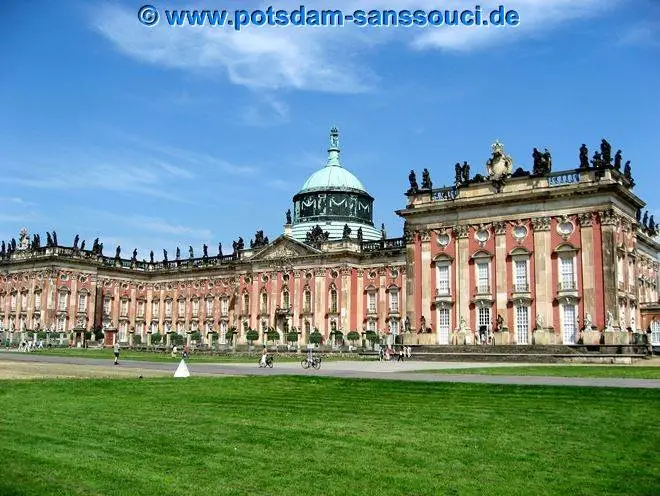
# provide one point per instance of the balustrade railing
(563, 177)
(383, 244)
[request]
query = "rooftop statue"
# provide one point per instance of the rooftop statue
(191, 253)
(165, 255)
(151, 256)
(597, 160)
(617, 160)
(82, 245)
(55, 239)
(288, 216)
(360, 235)
(606, 152)
(347, 232)
(413, 182)
(49, 240)
(458, 179)
(426, 180)
(219, 249)
(316, 235)
(178, 253)
(465, 172)
(383, 233)
(134, 257)
(205, 251)
(584, 157)
(334, 138)
(645, 221)
(118, 252)
(75, 242)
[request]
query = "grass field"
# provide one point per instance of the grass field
(107, 353)
(322, 436)
(605, 371)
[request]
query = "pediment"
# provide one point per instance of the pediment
(284, 248)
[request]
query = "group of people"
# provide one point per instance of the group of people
(385, 355)
(27, 346)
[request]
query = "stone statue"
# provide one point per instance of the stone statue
(95, 244)
(462, 325)
(638, 215)
(49, 240)
(55, 239)
(2, 249)
(191, 253)
(347, 232)
(134, 257)
(538, 161)
(422, 324)
(547, 161)
(165, 256)
(627, 172)
(13, 245)
(609, 320)
(632, 323)
(587, 322)
(465, 172)
(383, 233)
(652, 227)
(360, 236)
(100, 249)
(645, 221)
(622, 323)
(118, 252)
(219, 249)
(241, 243)
(178, 253)
(334, 138)
(584, 157)
(500, 322)
(597, 161)
(205, 251)
(316, 236)
(539, 321)
(617, 160)
(288, 216)
(413, 182)
(542, 162)
(426, 180)
(458, 179)
(606, 152)
(75, 242)
(151, 256)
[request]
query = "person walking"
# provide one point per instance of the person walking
(116, 350)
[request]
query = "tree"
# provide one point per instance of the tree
(230, 333)
(156, 338)
(372, 337)
(353, 336)
(137, 340)
(252, 335)
(315, 337)
(272, 334)
(176, 339)
(98, 333)
(195, 336)
(292, 336)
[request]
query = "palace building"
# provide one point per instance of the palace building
(506, 256)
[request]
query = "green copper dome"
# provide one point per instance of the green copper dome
(333, 176)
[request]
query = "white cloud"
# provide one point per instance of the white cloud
(330, 59)
(644, 34)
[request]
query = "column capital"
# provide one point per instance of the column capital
(586, 219)
(499, 227)
(461, 232)
(541, 223)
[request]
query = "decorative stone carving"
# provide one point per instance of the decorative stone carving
(424, 235)
(461, 232)
(319, 272)
(500, 165)
(608, 217)
(462, 326)
(586, 219)
(541, 223)
(539, 321)
(500, 227)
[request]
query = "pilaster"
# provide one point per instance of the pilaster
(501, 286)
(410, 280)
(462, 275)
(543, 270)
(609, 221)
(588, 266)
(425, 239)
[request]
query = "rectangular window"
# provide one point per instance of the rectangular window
(569, 324)
(371, 304)
(308, 326)
(140, 309)
(631, 274)
(61, 324)
(522, 324)
(12, 302)
(181, 308)
(82, 302)
(264, 302)
(209, 307)
(371, 325)
(37, 301)
(394, 327)
(285, 299)
(124, 308)
(333, 300)
(483, 285)
(224, 306)
(195, 308)
(394, 300)
(521, 276)
(24, 301)
(443, 280)
(567, 274)
(62, 302)
(484, 318)
(168, 308)
(308, 301)
(246, 304)
(155, 308)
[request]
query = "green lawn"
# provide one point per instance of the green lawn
(606, 371)
(107, 353)
(323, 436)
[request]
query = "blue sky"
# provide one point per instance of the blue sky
(157, 137)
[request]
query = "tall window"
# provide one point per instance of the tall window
(285, 299)
(168, 308)
(308, 326)
(567, 273)
(181, 308)
(123, 308)
(522, 324)
(155, 308)
(521, 275)
(443, 280)
(371, 325)
(333, 300)
(655, 332)
(246, 303)
(569, 324)
(37, 301)
(195, 308)
(308, 301)
(61, 324)
(224, 306)
(140, 309)
(371, 302)
(209, 306)
(264, 302)
(24, 304)
(82, 302)
(12, 302)
(484, 317)
(631, 274)
(483, 285)
(619, 270)
(394, 326)
(63, 302)
(394, 300)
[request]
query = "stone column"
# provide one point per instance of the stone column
(320, 300)
(609, 221)
(344, 320)
(500, 286)
(410, 280)
(360, 301)
(462, 276)
(425, 238)
(588, 269)
(543, 270)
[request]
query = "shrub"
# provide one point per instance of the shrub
(137, 339)
(177, 339)
(292, 336)
(156, 338)
(42, 335)
(273, 335)
(353, 336)
(252, 335)
(196, 336)
(98, 334)
(315, 337)
(372, 337)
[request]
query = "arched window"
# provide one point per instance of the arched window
(264, 302)
(246, 303)
(307, 305)
(334, 303)
(285, 299)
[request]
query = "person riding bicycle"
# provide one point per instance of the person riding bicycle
(264, 358)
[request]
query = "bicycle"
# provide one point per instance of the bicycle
(314, 362)
(269, 362)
